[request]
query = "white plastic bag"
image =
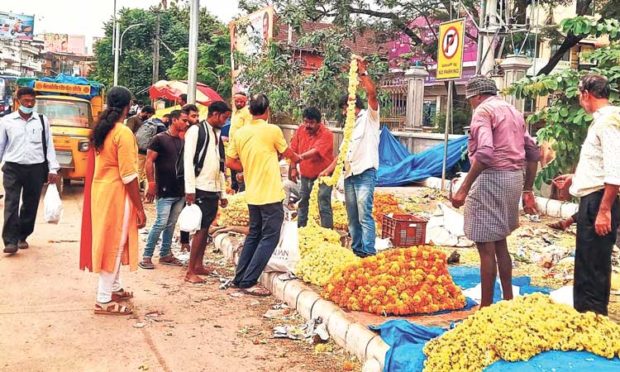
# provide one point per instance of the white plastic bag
(286, 256)
(52, 205)
(190, 218)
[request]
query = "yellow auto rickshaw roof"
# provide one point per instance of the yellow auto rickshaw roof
(61, 97)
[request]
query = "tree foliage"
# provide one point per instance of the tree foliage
(565, 122)
(136, 60)
(395, 17)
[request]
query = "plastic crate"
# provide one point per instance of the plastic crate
(405, 230)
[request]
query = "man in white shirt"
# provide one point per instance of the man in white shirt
(27, 149)
(361, 166)
(596, 182)
(205, 182)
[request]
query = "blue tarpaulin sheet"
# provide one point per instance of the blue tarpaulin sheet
(95, 87)
(398, 167)
(469, 277)
(407, 340)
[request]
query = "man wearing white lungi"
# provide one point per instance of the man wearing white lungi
(499, 148)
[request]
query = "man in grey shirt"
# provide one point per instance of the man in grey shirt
(27, 149)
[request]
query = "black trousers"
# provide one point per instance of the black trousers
(21, 182)
(265, 225)
(593, 256)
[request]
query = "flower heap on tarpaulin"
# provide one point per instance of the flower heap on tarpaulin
(236, 213)
(321, 254)
(518, 330)
(399, 281)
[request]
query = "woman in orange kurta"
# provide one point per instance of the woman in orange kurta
(116, 211)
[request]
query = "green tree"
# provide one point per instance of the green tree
(136, 60)
(391, 17)
(565, 122)
(213, 64)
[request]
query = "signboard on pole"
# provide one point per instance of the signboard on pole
(450, 50)
(16, 26)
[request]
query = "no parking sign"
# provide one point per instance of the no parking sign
(450, 50)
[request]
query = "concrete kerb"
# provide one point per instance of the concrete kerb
(354, 337)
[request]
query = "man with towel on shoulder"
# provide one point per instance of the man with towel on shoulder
(499, 148)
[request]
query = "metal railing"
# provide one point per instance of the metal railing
(393, 100)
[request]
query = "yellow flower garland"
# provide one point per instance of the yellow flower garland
(347, 134)
(321, 253)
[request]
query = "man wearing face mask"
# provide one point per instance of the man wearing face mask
(135, 122)
(27, 149)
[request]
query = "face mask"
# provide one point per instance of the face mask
(26, 110)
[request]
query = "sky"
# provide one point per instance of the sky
(86, 17)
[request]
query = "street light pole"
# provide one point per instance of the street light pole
(118, 47)
(123, 35)
(116, 52)
(192, 73)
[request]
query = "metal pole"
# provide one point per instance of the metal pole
(192, 73)
(116, 52)
(114, 29)
(156, 50)
(446, 132)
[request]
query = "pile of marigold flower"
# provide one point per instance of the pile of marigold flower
(518, 330)
(339, 212)
(385, 204)
(399, 281)
(236, 213)
(321, 254)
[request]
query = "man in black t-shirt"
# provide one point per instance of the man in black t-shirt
(162, 155)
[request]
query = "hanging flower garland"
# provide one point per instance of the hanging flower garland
(344, 150)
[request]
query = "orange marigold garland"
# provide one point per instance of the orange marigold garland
(399, 281)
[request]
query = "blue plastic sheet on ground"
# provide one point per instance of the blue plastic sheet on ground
(406, 353)
(406, 341)
(397, 167)
(468, 277)
(552, 361)
(95, 87)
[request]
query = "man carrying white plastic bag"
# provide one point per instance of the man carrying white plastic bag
(52, 205)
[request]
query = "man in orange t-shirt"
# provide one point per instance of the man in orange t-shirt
(315, 145)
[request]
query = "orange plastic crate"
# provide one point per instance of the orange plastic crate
(405, 230)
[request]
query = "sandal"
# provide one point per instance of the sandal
(146, 265)
(112, 308)
(170, 260)
(256, 291)
(121, 295)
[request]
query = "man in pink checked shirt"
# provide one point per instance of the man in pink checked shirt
(499, 148)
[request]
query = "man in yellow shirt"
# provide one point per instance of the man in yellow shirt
(240, 117)
(254, 149)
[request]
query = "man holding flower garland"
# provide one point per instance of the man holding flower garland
(361, 164)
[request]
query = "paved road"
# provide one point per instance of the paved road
(47, 323)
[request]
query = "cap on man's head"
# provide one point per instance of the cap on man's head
(480, 85)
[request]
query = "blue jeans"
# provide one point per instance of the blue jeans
(359, 197)
(168, 211)
(325, 203)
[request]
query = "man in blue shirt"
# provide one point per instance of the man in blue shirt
(27, 149)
